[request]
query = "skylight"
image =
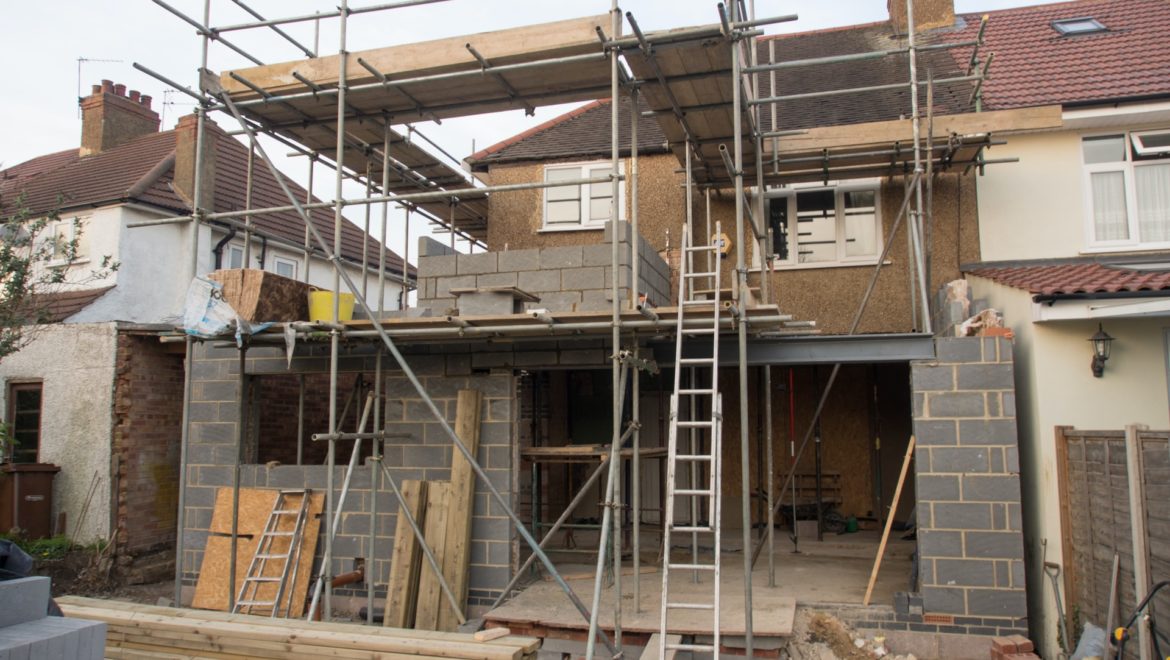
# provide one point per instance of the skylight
(1074, 26)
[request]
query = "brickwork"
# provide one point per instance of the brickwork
(148, 410)
(426, 454)
(566, 279)
(970, 542)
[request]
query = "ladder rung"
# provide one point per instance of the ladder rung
(692, 457)
(692, 567)
(692, 529)
(255, 603)
(276, 556)
(694, 492)
(697, 274)
(696, 360)
(262, 579)
(277, 534)
(698, 331)
(697, 390)
(286, 512)
(294, 491)
(697, 303)
(690, 606)
(701, 248)
(691, 424)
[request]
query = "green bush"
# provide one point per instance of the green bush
(55, 547)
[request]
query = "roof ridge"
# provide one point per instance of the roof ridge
(540, 128)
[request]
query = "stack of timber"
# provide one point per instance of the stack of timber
(146, 631)
(259, 296)
(255, 505)
(443, 510)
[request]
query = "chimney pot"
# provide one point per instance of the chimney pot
(145, 101)
(96, 89)
(108, 86)
(134, 95)
(120, 90)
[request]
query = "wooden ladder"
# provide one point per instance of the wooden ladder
(281, 546)
(701, 458)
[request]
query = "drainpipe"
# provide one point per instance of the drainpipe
(218, 249)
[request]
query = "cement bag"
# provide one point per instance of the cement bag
(206, 314)
(1092, 644)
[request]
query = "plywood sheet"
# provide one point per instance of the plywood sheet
(211, 590)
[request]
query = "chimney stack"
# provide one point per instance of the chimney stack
(928, 15)
(185, 141)
(109, 118)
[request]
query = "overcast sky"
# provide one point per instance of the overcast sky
(52, 49)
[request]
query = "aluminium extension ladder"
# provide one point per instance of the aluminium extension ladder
(279, 547)
(702, 457)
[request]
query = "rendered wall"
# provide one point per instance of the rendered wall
(76, 364)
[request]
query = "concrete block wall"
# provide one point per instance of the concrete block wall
(426, 454)
(566, 279)
(970, 541)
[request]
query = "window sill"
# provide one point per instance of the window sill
(824, 264)
(558, 230)
(60, 263)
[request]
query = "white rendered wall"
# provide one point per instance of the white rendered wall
(75, 363)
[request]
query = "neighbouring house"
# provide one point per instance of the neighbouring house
(96, 393)
(1074, 239)
(528, 324)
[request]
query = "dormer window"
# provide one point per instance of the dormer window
(1069, 27)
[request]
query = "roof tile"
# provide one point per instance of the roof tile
(1074, 278)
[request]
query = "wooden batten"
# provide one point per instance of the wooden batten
(457, 555)
(531, 42)
(406, 562)
(430, 594)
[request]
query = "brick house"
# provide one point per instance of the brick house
(96, 392)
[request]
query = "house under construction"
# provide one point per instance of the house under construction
(638, 391)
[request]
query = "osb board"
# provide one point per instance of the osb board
(260, 296)
(255, 505)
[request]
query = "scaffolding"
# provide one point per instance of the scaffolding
(341, 110)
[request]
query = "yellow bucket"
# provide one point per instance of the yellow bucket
(321, 306)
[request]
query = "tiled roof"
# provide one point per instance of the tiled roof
(1074, 278)
(58, 306)
(142, 170)
(1035, 65)
(580, 133)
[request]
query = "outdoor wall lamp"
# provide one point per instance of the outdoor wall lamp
(1101, 342)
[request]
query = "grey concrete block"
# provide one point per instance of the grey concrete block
(429, 247)
(518, 260)
(956, 404)
(944, 600)
(625, 230)
(994, 545)
(961, 516)
(443, 266)
(934, 543)
(964, 572)
(575, 279)
(991, 488)
(985, 376)
(539, 281)
(475, 264)
(560, 257)
(928, 377)
(937, 488)
(601, 254)
(25, 599)
(917, 405)
(445, 284)
(565, 301)
(996, 602)
(496, 279)
(930, 432)
(486, 303)
(959, 459)
(958, 349)
(987, 432)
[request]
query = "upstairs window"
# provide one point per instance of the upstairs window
(834, 225)
(1068, 27)
(1127, 188)
(24, 422)
(285, 267)
(69, 242)
(580, 206)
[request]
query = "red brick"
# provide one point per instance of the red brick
(1023, 644)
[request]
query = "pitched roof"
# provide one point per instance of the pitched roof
(580, 133)
(60, 305)
(1077, 277)
(142, 170)
(1035, 65)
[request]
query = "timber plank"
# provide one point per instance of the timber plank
(406, 560)
(430, 593)
(457, 550)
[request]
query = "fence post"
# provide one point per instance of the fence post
(1137, 519)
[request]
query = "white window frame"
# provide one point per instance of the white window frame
(66, 230)
(584, 190)
(842, 259)
(1130, 140)
(232, 249)
(278, 261)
